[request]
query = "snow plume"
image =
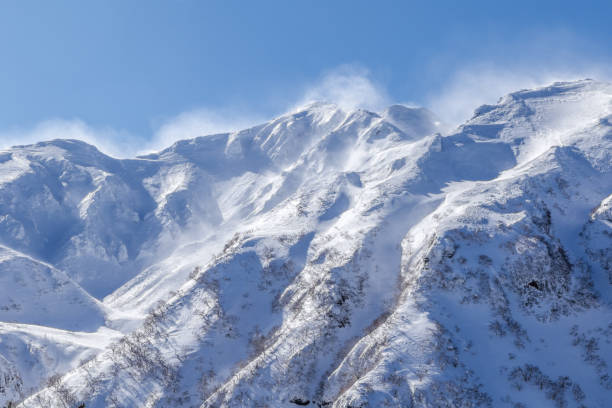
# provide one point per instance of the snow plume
(111, 141)
(485, 83)
(350, 87)
(122, 144)
(200, 122)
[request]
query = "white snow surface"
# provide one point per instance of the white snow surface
(325, 258)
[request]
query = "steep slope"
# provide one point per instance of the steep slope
(57, 199)
(152, 204)
(35, 293)
(31, 355)
(344, 259)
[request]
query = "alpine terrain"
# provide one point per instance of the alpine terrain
(327, 258)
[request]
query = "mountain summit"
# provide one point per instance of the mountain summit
(325, 258)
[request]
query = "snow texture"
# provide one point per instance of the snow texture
(326, 258)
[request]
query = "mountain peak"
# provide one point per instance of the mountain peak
(325, 257)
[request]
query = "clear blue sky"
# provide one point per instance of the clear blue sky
(131, 65)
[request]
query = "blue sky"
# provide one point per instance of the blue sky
(127, 74)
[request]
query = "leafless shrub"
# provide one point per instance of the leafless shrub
(61, 391)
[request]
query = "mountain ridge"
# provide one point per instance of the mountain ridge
(331, 258)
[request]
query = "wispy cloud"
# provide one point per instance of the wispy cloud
(122, 144)
(484, 83)
(348, 86)
(111, 141)
(201, 122)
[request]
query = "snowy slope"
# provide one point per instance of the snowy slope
(325, 258)
(35, 293)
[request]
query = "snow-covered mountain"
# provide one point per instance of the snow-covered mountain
(325, 258)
